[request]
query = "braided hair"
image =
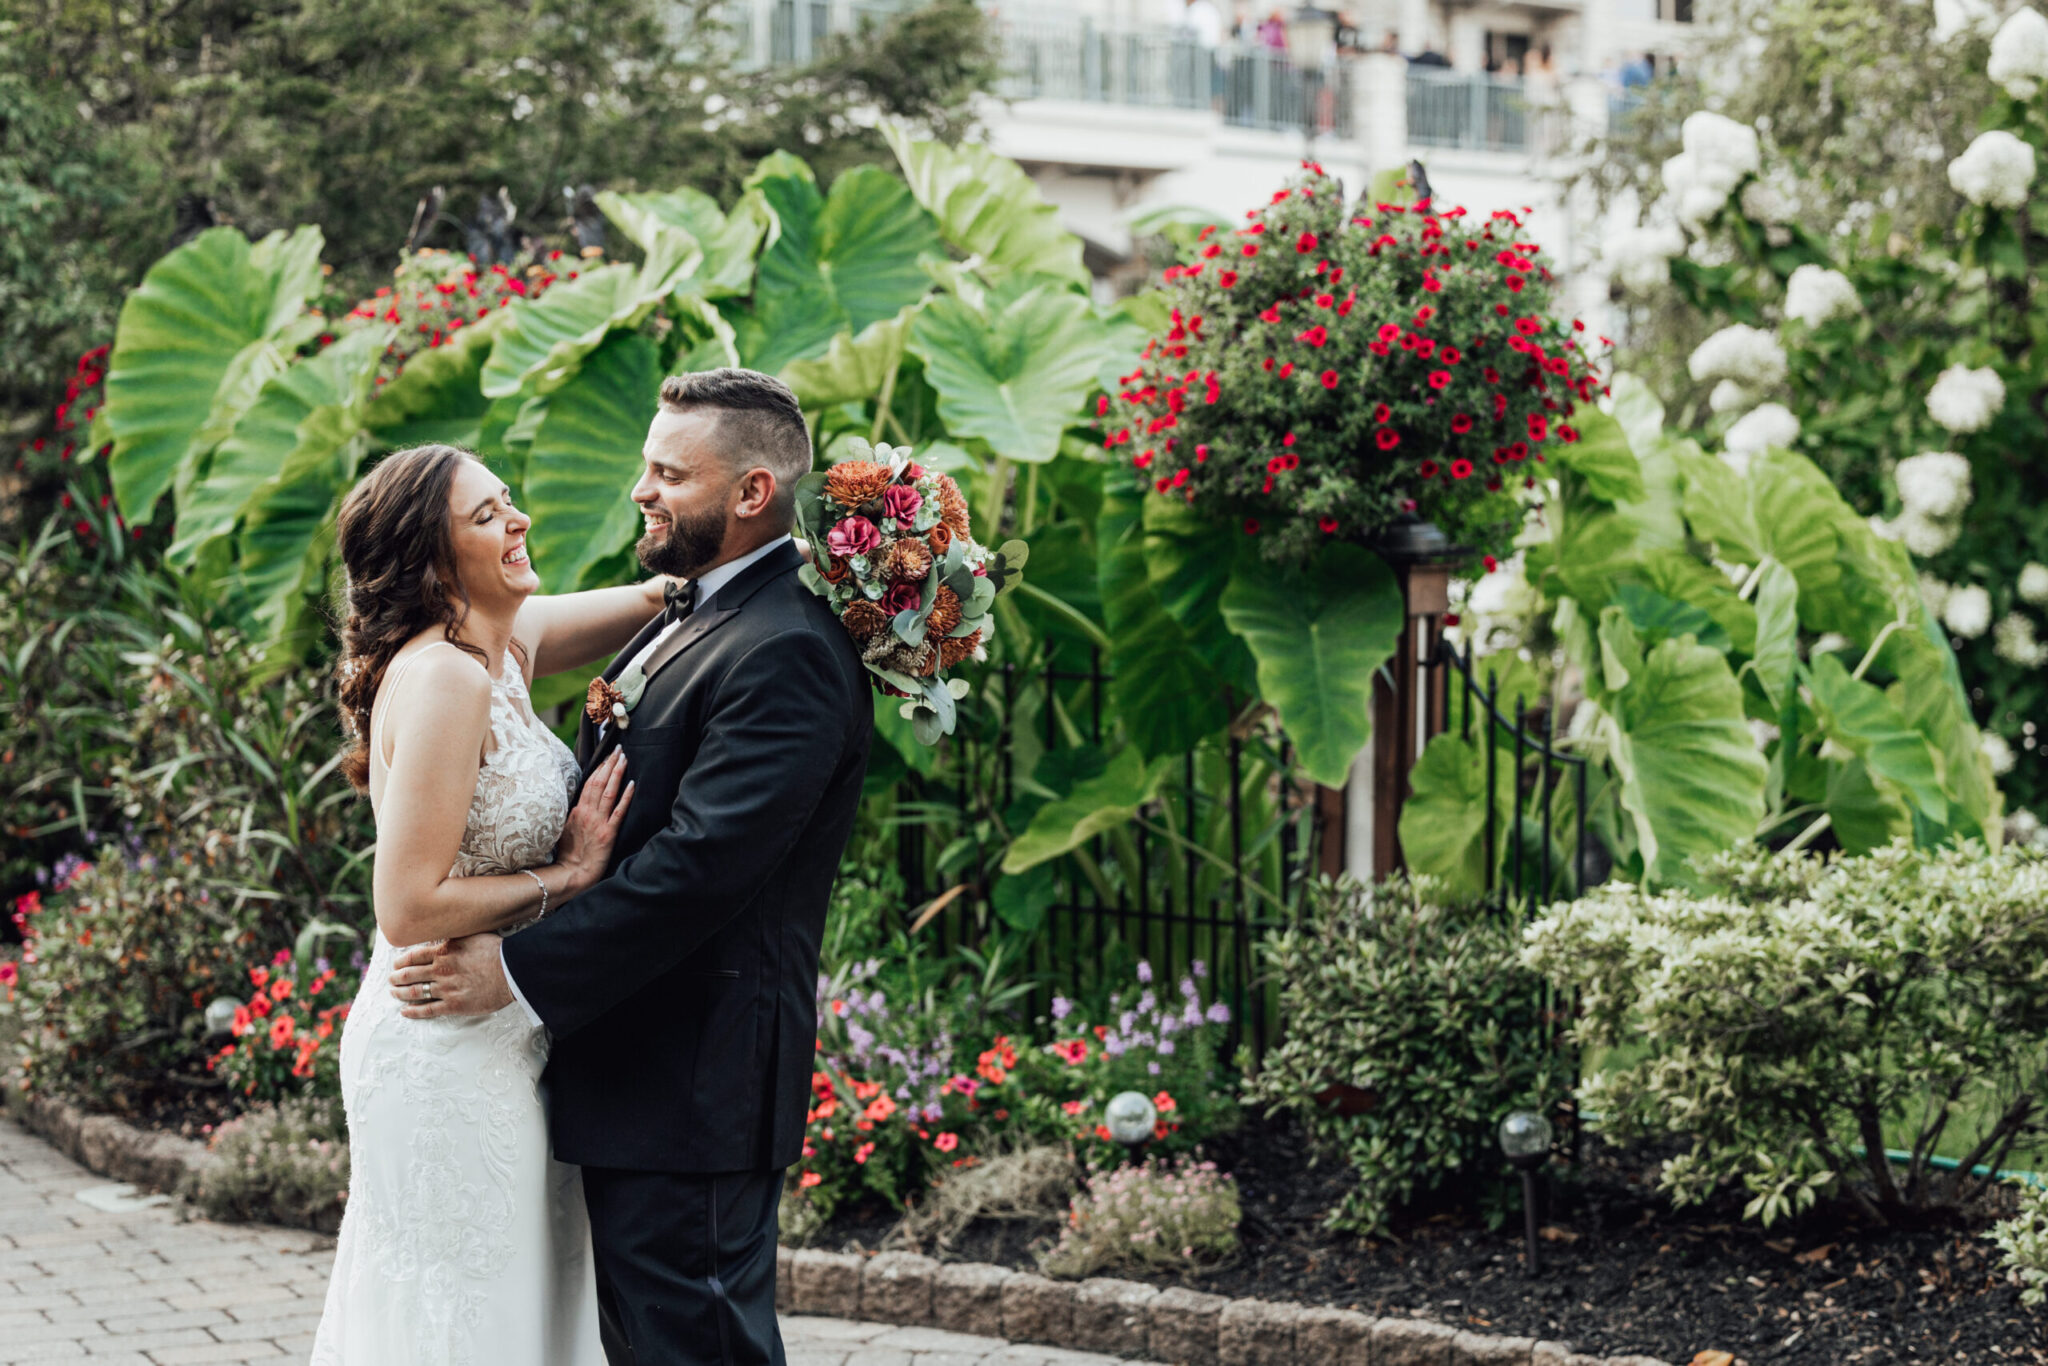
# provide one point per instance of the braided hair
(399, 556)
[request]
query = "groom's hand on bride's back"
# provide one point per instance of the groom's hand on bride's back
(463, 977)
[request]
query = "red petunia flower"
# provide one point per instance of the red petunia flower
(1270, 315)
(1328, 525)
(1387, 438)
(1439, 379)
(1461, 468)
(1428, 469)
(1251, 526)
(1329, 378)
(1461, 423)
(1226, 278)
(1305, 243)
(1382, 413)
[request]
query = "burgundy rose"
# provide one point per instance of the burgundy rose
(902, 597)
(901, 502)
(854, 536)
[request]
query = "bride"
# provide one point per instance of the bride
(464, 1242)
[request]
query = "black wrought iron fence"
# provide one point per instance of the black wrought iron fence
(1214, 857)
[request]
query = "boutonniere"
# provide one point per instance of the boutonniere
(614, 701)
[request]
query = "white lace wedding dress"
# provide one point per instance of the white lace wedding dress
(463, 1243)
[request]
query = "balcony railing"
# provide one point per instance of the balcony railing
(1250, 87)
(1458, 109)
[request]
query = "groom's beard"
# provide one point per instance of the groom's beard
(691, 546)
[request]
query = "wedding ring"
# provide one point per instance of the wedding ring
(426, 991)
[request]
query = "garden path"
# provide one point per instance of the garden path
(80, 1282)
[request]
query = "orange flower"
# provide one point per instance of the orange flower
(880, 1108)
(850, 483)
(835, 569)
(1163, 1103)
(258, 976)
(827, 1108)
(864, 621)
(260, 1006)
(281, 988)
(244, 1021)
(1074, 1051)
(906, 561)
(953, 649)
(809, 1179)
(1075, 1107)
(1102, 1132)
(866, 1090)
(281, 1032)
(863, 1152)
(945, 614)
(953, 507)
(945, 1143)
(939, 538)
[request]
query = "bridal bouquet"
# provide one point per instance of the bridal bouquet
(894, 554)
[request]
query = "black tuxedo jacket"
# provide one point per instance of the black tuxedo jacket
(681, 990)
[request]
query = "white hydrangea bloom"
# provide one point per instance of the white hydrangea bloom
(1965, 400)
(1748, 355)
(2023, 828)
(1996, 171)
(1772, 424)
(1769, 201)
(1934, 593)
(1730, 397)
(1925, 536)
(1640, 258)
(2033, 584)
(1953, 18)
(2019, 54)
(1737, 461)
(1967, 611)
(1715, 140)
(1997, 753)
(2015, 641)
(1934, 484)
(1816, 295)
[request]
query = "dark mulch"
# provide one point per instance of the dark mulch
(1622, 1271)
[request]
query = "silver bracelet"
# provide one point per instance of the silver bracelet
(543, 889)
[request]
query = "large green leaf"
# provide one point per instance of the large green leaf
(1858, 717)
(853, 368)
(438, 396)
(1862, 816)
(1777, 632)
(1603, 459)
(1318, 637)
(727, 241)
(1692, 780)
(1014, 377)
(1164, 690)
(1189, 558)
(586, 457)
(836, 263)
(215, 313)
(1657, 617)
(1929, 694)
(1443, 822)
(1096, 805)
(538, 350)
(987, 207)
(1717, 505)
(300, 421)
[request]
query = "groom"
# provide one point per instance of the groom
(680, 991)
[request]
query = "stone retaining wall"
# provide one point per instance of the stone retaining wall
(1129, 1318)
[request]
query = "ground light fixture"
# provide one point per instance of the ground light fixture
(220, 1016)
(1525, 1142)
(1130, 1118)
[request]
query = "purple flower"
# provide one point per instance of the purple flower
(1144, 971)
(1061, 1007)
(1166, 1048)
(1153, 1068)
(901, 502)
(1147, 1003)
(1219, 1013)
(1192, 1016)
(1199, 969)
(320, 965)
(854, 536)
(1127, 1022)
(1167, 1024)
(1113, 1045)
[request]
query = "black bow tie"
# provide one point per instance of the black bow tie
(680, 598)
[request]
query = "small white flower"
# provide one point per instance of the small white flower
(1817, 295)
(1996, 752)
(1925, 536)
(1766, 202)
(2015, 642)
(1761, 428)
(2019, 54)
(2033, 584)
(1750, 356)
(1730, 397)
(1953, 18)
(2024, 828)
(1967, 611)
(1737, 461)
(1934, 593)
(1996, 171)
(1934, 484)
(1965, 400)
(1640, 258)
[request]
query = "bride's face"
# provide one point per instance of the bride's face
(489, 536)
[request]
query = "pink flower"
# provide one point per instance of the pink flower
(854, 536)
(8, 973)
(901, 502)
(902, 597)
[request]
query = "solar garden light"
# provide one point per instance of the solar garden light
(1525, 1142)
(220, 1016)
(1130, 1118)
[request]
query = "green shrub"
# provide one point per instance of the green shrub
(279, 1164)
(1151, 1216)
(1794, 1018)
(2024, 1241)
(1409, 1029)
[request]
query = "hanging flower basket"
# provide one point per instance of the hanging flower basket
(1330, 368)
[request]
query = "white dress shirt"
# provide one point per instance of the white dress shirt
(708, 584)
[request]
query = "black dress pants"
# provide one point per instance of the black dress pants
(685, 1266)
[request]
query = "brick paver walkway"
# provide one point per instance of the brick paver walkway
(141, 1288)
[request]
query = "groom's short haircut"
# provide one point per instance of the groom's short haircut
(759, 423)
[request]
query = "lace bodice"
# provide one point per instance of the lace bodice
(524, 788)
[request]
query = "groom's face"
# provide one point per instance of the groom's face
(686, 494)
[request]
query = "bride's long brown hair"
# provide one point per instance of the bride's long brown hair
(399, 553)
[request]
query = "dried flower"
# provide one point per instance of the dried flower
(945, 614)
(953, 507)
(853, 483)
(954, 649)
(864, 620)
(906, 561)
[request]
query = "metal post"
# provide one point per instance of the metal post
(1529, 1218)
